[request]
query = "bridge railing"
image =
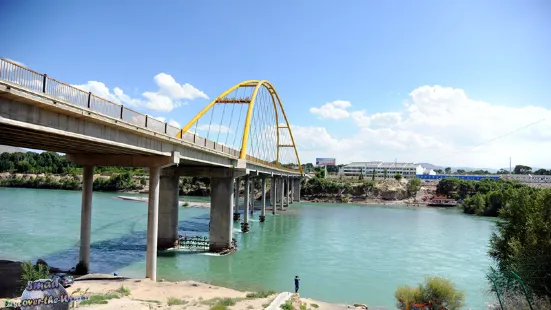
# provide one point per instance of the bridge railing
(38, 82)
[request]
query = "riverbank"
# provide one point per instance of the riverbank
(357, 200)
(338, 191)
(110, 292)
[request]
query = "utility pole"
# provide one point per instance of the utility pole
(509, 165)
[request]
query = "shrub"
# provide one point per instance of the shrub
(30, 272)
(436, 290)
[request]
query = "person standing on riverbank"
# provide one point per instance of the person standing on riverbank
(297, 280)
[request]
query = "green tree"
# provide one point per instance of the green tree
(448, 186)
(373, 175)
(361, 177)
(385, 173)
(413, 186)
(521, 169)
(542, 172)
(448, 170)
(398, 176)
(522, 242)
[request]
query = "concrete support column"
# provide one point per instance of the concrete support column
(168, 209)
(296, 190)
(86, 215)
(252, 200)
(288, 192)
(263, 210)
(273, 195)
(152, 224)
(245, 227)
(272, 191)
(282, 195)
(221, 223)
(291, 189)
(236, 195)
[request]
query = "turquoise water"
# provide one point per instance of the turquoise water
(343, 253)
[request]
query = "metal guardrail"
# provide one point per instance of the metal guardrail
(38, 82)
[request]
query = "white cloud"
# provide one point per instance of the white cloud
(174, 123)
(335, 110)
(170, 88)
(168, 97)
(214, 128)
(171, 122)
(440, 125)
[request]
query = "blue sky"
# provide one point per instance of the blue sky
(372, 54)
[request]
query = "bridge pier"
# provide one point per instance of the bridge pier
(168, 208)
(288, 192)
(273, 195)
(152, 223)
(221, 205)
(86, 215)
(282, 195)
(245, 224)
(296, 190)
(263, 210)
(237, 189)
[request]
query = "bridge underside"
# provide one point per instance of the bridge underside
(44, 139)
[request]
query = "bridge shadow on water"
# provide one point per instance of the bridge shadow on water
(107, 256)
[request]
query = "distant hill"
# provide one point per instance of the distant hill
(11, 149)
(434, 167)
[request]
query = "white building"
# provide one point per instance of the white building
(407, 170)
(429, 171)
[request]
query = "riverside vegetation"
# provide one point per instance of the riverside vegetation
(521, 244)
(49, 170)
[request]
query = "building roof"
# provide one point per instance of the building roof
(383, 165)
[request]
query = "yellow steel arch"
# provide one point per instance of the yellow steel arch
(276, 101)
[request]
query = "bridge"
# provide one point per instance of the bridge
(241, 137)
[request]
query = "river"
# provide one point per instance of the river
(343, 253)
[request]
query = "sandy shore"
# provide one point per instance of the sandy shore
(145, 294)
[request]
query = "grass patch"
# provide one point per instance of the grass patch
(221, 303)
(262, 294)
(303, 306)
(314, 305)
(173, 301)
(288, 305)
(124, 291)
(99, 299)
